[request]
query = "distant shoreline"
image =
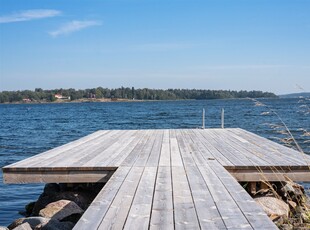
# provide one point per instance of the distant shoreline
(109, 100)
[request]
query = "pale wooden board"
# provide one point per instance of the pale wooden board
(147, 149)
(156, 150)
(164, 159)
(118, 211)
(138, 150)
(114, 148)
(92, 218)
(185, 216)
(74, 153)
(77, 176)
(176, 159)
(273, 156)
(207, 145)
(187, 157)
(58, 150)
(253, 212)
(162, 209)
(253, 157)
(270, 146)
(140, 211)
(230, 212)
(118, 159)
(230, 153)
(207, 212)
(82, 155)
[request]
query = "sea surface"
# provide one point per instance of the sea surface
(29, 129)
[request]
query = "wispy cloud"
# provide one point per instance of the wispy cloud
(28, 15)
(73, 26)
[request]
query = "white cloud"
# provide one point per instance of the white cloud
(73, 26)
(28, 15)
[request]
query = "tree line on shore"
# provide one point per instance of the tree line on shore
(39, 95)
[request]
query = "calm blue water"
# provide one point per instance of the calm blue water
(26, 130)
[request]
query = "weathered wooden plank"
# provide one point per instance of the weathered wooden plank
(185, 152)
(270, 175)
(146, 152)
(93, 216)
(155, 153)
(253, 212)
(162, 209)
(232, 216)
(138, 150)
(244, 154)
(185, 216)
(119, 144)
(165, 155)
(70, 176)
(140, 210)
(270, 146)
(176, 159)
(230, 153)
(207, 212)
(118, 159)
(118, 211)
(97, 150)
(271, 156)
(58, 150)
(205, 141)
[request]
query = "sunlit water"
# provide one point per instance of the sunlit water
(26, 129)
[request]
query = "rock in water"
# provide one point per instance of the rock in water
(57, 225)
(82, 199)
(24, 226)
(60, 209)
(273, 206)
(32, 221)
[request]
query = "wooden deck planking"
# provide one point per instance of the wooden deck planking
(117, 213)
(267, 145)
(229, 210)
(162, 207)
(230, 153)
(255, 158)
(185, 216)
(166, 179)
(253, 212)
(92, 218)
(140, 210)
(60, 150)
(165, 156)
(90, 148)
(212, 149)
(274, 157)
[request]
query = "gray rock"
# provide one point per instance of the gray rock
(60, 209)
(273, 206)
(82, 199)
(24, 226)
(33, 221)
(3, 228)
(57, 225)
(51, 188)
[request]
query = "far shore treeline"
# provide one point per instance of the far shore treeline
(126, 93)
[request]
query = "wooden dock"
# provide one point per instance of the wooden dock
(167, 179)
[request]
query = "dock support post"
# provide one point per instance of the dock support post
(222, 118)
(203, 118)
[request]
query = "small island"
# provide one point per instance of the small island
(101, 94)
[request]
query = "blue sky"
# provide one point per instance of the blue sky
(206, 44)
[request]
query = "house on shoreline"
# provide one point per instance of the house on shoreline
(61, 97)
